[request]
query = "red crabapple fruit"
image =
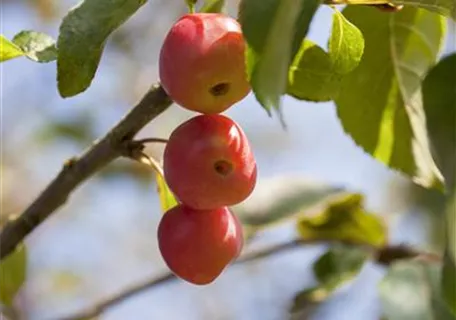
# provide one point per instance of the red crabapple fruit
(208, 163)
(202, 63)
(197, 245)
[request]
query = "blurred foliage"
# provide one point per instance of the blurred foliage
(334, 269)
(410, 291)
(346, 220)
(439, 95)
(78, 129)
(283, 199)
(213, 6)
(124, 168)
(36, 46)
(13, 271)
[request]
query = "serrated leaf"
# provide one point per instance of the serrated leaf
(409, 291)
(12, 274)
(274, 30)
(213, 6)
(8, 50)
(345, 219)
(167, 199)
(281, 199)
(83, 34)
(380, 103)
(37, 46)
(316, 75)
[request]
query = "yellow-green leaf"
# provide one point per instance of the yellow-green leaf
(12, 274)
(167, 199)
(8, 50)
(344, 220)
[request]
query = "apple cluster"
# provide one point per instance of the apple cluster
(208, 162)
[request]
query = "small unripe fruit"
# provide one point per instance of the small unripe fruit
(197, 245)
(202, 63)
(208, 163)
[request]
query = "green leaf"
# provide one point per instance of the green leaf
(274, 30)
(167, 199)
(36, 46)
(449, 263)
(316, 75)
(12, 274)
(448, 282)
(83, 34)
(213, 6)
(410, 291)
(345, 219)
(8, 50)
(334, 269)
(443, 7)
(339, 265)
(379, 103)
(439, 97)
(311, 75)
(346, 45)
(281, 199)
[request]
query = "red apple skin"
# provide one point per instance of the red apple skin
(197, 245)
(202, 63)
(208, 163)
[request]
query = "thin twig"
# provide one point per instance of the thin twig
(151, 140)
(384, 256)
(77, 170)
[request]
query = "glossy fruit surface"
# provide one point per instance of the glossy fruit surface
(198, 245)
(202, 63)
(208, 163)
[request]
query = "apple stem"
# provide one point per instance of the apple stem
(151, 162)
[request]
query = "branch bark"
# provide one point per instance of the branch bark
(383, 256)
(76, 170)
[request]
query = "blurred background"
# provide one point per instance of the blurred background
(104, 238)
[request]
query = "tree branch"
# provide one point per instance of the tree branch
(78, 169)
(384, 256)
